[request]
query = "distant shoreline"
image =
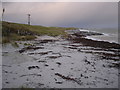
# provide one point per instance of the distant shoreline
(80, 37)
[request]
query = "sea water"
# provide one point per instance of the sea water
(109, 35)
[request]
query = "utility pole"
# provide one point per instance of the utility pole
(28, 19)
(3, 13)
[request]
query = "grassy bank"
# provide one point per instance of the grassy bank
(16, 32)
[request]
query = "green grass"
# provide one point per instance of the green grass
(16, 32)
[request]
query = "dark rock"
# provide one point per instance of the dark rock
(58, 63)
(46, 65)
(41, 53)
(7, 82)
(52, 68)
(22, 50)
(30, 48)
(81, 75)
(46, 41)
(73, 47)
(67, 78)
(79, 50)
(40, 84)
(33, 67)
(5, 71)
(114, 65)
(59, 82)
(78, 33)
(54, 57)
(103, 65)
(94, 43)
(41, 61)
(88, 62)
(86, 77)
(31, 74)
(27, 79)
(55, 79)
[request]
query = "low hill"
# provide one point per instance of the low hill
(15, 31)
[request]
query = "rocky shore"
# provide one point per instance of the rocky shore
(79, 37)
(53, 62)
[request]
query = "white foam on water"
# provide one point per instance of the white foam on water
(100, 38)
(83, 30)
(108, 37)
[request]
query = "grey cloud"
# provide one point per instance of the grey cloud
(80, 14)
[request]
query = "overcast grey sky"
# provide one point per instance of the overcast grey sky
(66, 14)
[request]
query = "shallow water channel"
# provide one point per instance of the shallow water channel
(56, 65)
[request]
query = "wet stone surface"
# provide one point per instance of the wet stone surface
(58, 64)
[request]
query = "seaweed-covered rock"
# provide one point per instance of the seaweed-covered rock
(33, 67)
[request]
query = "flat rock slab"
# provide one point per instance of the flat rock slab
(46, 38)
